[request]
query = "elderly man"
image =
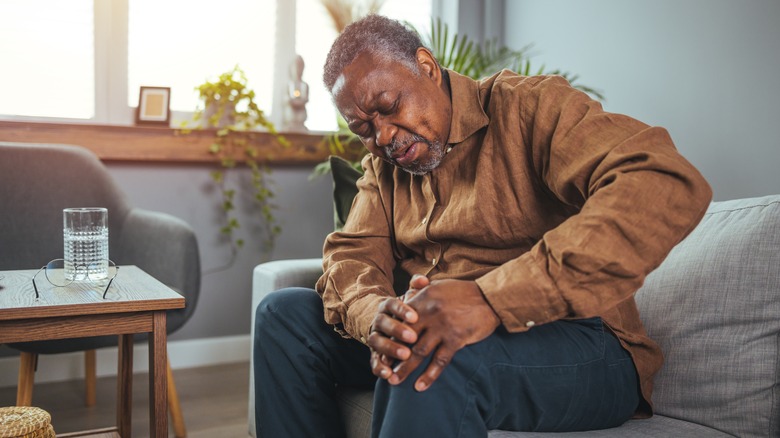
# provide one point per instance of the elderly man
(528, 216)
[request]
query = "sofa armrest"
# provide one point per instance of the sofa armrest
(279, 274)
(268, 277)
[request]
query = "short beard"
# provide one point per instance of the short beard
(417, 167)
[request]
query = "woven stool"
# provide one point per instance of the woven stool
(25, 422)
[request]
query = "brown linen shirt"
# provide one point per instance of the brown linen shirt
(556, 208)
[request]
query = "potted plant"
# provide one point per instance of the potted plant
(227, 105)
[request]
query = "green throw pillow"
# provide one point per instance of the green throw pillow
(344, 189)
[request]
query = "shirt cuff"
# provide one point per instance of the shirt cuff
(360, 316)
(521, 294)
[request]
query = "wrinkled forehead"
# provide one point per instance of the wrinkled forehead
(361, 70)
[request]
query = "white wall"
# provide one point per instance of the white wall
(707, 70)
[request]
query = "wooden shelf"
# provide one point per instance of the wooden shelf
(161, 144)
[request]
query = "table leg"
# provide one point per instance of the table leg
(158, 379)
(124, 405)
(24, 389)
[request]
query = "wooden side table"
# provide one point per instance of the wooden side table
(135, 303)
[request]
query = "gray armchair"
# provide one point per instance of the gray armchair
(37, 182)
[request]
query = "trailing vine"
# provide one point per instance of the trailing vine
(228, 106)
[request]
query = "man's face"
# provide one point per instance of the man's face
(400, 116)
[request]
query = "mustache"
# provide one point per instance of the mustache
(397, 144)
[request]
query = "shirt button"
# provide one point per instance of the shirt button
(530, 324)
(433, 261)
(425, 220)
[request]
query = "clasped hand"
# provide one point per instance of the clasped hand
(438, 318)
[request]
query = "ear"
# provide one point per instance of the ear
(428, 65)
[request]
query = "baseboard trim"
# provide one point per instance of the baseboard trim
(188, 353)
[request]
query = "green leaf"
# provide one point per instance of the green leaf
(320, 169)
(228, 162)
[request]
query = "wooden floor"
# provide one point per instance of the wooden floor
(213, 402)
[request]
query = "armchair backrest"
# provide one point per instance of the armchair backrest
(37, 182)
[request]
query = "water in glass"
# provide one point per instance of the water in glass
(86, 243)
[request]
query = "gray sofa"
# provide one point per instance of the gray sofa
(713, 306)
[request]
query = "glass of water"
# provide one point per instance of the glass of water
(85, 232)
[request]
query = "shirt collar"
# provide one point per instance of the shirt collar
(468, 116)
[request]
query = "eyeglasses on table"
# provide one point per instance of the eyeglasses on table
(60, 275)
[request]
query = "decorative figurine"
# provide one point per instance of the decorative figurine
(297, 97)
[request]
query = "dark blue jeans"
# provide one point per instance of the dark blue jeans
(562, 376)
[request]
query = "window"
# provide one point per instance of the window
(47, 53)
(87, 59)
(180, 44)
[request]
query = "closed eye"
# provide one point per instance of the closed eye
(389, 109)
(361, 129)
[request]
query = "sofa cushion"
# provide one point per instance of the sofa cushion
(656, 427)
(714, 307)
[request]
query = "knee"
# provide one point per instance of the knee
(286, 306)
(283, 299)
(461, 370)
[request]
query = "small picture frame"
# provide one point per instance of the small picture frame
(154, 106)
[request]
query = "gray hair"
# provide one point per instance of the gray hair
(375, 34)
